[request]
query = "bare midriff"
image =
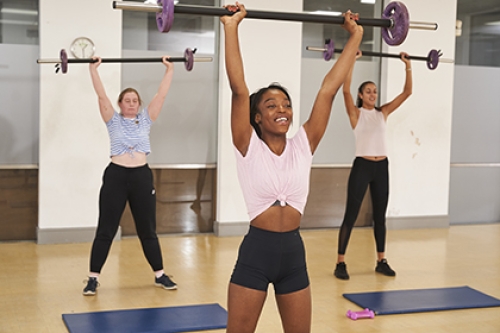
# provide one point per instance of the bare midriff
(130, 160)
(278, 219)
(374, 158)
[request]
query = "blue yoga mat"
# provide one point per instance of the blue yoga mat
(165, 320)
(422, 300)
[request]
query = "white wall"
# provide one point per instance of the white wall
(271, 52)
(419, 133)
(74, 145)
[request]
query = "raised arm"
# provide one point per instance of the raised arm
(105, 106)
(240, 101)
(156, 104)
(390, 107)
(350, 106)
(315, 126)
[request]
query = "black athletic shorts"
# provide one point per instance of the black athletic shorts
(271, 257)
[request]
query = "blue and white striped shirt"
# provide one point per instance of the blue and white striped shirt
(129, 135)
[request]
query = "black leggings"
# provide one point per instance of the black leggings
(135, 185)
(376, 174)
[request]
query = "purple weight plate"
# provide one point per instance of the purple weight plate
(165, 19)
(398, 13)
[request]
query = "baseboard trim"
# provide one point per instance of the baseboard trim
(228, 229)
(69, 235)
(418, 222)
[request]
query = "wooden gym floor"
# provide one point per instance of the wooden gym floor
(41, 282)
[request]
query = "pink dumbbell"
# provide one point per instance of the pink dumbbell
(366, 313)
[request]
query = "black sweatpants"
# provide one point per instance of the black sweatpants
(363, 173)
(135, 185)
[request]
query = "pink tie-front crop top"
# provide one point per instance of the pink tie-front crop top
(266, 177)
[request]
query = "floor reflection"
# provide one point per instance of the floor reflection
(184, 202)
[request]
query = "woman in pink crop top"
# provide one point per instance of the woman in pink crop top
(273, 251)
(371, 166)
(128, 177)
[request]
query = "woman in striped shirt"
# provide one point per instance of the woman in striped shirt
(128, 176)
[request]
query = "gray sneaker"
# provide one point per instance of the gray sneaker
(165, 282)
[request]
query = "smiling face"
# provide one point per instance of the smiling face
(129, 103)
(275, 112)
(368, 95)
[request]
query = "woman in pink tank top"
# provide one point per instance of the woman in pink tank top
(273, 251)
(371, 166)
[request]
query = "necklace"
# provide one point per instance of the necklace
(135, 119)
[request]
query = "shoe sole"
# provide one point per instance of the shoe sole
(383, 273)
(164, 287)
(340, 277)
(89, 293)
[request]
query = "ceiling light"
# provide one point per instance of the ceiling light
(368, 1)
(17, 22)
(19, 11)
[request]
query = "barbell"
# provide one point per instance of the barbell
(432, 59)
(63, 61)
(395, 20)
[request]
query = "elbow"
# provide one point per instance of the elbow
(408, 90)
(329, 90)
(238, 90)
(239, 95)
(347, 95)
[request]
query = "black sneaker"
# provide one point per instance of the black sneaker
(91, 287)
(383, 267)
(165, 282)
(341, 271)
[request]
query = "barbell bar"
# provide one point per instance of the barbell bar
(395, 20)
(433, 57)
(63, 61)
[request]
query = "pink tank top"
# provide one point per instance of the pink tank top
(266, 177)
(370, 133)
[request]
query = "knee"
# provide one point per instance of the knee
(348, 222)
(379, 220)
(147, 236)
(105, 235)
